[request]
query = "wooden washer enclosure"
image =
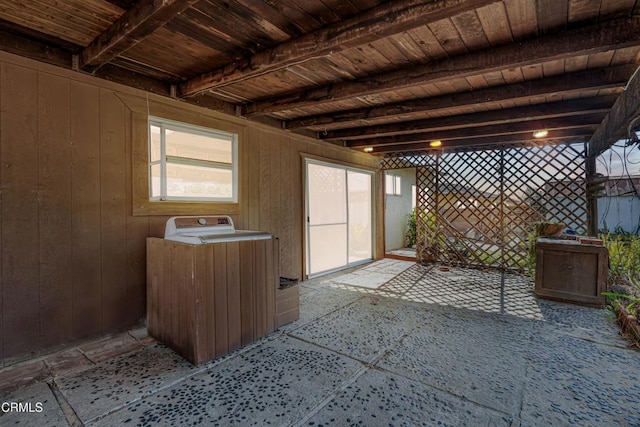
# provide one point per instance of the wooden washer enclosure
(569, 271)
(205, 301)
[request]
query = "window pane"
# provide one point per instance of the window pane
(155, 181)
(398, 187)
(196, 181)
(388, 184)
(327, 195)
(359, 216)
(413, 197)
(154, 143)
(328, 247)
(192, 146)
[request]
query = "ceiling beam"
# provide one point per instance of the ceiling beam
(565, 135)
(123, 4)
(592, 119)
(625, 113)
(600, 104)
(602, 37)
(596, 79)
(603, 78)
(13, 42)
(374, 24)
(132, 27)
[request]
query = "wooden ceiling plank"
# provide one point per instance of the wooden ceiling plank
(611, 7)
(552, 15)
(553, 68)
(448, 37)
(585, 40)
(31, 20)
(146, 69)
(409, 48)
(626, 56)
(248, 31)
(624, 112)
(193, 28)
(532, 72)
(606, 78)
(496, 34)
(142, 19)
(572, 135)
(522, 18)
(471, 30)
(477, 82)
(599, 60)
(270, 13)
(76, 15)
(32, 34)
(430, 46)
(494, 78)
(377, 23)
(492, 117)
(576, 63)
(513, 75)
(584, 10)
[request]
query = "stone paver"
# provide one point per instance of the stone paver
(412, 346)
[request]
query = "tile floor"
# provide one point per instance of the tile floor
(388, 344)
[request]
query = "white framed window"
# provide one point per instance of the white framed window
(191, 163)
(393, 185)
(413, 197)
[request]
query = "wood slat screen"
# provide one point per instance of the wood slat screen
(477, 208)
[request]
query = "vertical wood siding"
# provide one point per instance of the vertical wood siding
(72, 255)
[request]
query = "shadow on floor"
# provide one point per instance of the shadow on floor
(391, 343)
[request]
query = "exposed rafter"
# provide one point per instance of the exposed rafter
(14, 43)
(383, 21)
(578, 121)
(484, 118)
(625, 112)
(615, 34)
(142, 19)
(565, 135)
(559, 85)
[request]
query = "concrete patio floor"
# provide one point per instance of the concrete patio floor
(391, 343)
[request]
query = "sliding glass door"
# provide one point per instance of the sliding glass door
(339, 217)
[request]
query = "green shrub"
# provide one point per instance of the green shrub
(624, 257)
(410, 235)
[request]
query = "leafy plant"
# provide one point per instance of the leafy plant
(411, 234)
(624, 270)
(624, 257)
(630, 302)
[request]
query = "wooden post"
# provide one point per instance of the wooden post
(592, 201)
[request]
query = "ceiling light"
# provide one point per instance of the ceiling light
(540, 133)
(437, 143)
(368, 149)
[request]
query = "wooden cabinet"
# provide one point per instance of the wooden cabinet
(204, 301)
(571, 272)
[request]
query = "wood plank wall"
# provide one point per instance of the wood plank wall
(72, 256)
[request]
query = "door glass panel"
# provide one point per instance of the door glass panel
(359, 197)
(328, 247)
(327, 195)
(337, 236)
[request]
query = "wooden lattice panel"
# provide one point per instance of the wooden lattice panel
(427, 249)
(476, 208)
(406, 160)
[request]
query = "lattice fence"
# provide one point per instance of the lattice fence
(477, 208)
